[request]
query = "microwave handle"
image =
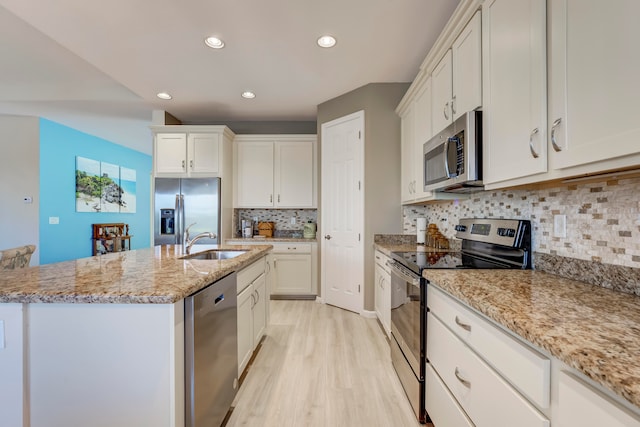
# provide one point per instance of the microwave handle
(447, 169)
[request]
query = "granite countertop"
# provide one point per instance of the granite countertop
(144, 276)
(387, 248)
(592, 329)
(269, 240)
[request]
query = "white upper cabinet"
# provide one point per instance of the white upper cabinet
(442, 77)
(254, 169)
(415, 131)
(275, 171)
(457, 79)
(593, 81)
(467, 68)
(407, 179)
(182, 151)
(514, 69)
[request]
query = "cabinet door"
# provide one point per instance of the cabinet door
(441, 78)
(581, 405)
(245, 328)
(294, 171)
(467, 68)
(423, 132)
(514, 89)
(407, 154)
(593, 83)
(203, 154)
(378, 291)
(171, 154)
(292, 274)
(259, 308)
(255, 174)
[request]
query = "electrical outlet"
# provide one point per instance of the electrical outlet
(293, 220)
(560, 226)
(54, 220)
(1, 333)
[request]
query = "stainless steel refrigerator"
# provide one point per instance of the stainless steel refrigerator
(180, 202)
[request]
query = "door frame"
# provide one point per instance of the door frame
(323, 286)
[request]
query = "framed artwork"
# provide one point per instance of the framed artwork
(104, 187)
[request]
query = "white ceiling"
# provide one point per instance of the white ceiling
(98, 66)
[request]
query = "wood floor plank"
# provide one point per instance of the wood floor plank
(320, 366)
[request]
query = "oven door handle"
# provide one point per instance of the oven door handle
(404, 273)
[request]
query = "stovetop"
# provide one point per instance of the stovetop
(486, 244)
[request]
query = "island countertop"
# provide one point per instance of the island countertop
(155, 275)
(590, 328)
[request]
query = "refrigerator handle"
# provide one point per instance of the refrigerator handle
(182, 218)
(178, 220)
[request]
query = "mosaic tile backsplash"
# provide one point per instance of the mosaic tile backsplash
(603, 218)
(281, 218)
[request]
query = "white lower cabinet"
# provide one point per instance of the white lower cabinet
(484, 395)
(382, 292)
(252, 310)
(580, 405)
(294, 269)
(443, 408)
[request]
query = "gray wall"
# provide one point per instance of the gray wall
(266, 128)
(382, 163)
(19, 178)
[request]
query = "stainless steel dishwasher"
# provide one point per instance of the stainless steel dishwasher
(211, 353)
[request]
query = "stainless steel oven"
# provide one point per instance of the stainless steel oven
(408, 317)
(486, 243)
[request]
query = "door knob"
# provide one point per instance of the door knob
(328, 237)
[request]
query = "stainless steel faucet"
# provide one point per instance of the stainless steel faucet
(187, 242)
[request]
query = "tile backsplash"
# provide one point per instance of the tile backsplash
(281, 218)
(603, 218)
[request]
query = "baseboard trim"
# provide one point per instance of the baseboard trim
(294, 297)
(369, 314)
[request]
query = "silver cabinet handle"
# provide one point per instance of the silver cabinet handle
(464, 326)
(464, 382)
(328, 237)
(191, 164)
(278, 198)
(270, 198)
(253, 301)
(555, 145)
(257, 297)
(184, 164)
(446, 110)
(533, 152)
(453, 104)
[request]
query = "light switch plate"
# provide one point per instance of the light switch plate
(54, 220)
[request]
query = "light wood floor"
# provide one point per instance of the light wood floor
(321, 366)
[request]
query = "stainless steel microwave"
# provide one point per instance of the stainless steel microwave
(453, 157)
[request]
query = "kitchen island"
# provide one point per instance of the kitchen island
(100, 341)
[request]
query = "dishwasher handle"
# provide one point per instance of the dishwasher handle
(404, 273)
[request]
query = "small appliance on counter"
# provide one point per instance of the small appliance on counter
(309, 230)
(247, 229)
(266, 229)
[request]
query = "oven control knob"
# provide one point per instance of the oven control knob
(511, 232)
(502, 232)
(462, 228)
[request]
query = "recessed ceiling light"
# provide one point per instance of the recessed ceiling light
(248, 94)
(326, 41)
(214, 42)
(164, 95)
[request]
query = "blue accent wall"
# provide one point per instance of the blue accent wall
(71, 238)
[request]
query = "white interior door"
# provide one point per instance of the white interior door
(342, 212)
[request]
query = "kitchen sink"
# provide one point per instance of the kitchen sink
(216, 254)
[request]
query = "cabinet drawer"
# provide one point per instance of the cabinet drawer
(526, 369)
(481, 392)
(250, 273)
(581, 405)
(292, 248)
(441, 405)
